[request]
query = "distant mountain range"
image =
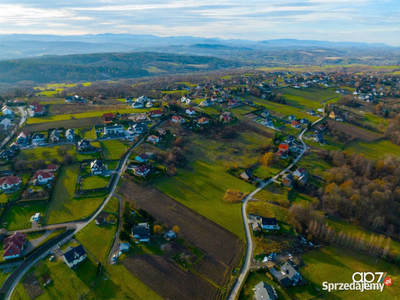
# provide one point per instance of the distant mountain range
(15, 46)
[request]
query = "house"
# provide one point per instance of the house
(149, 104)
(32, 105)
(74, 255)
(284, 147)
(142, 171)
(287, 275)
(287, 180)
(13, 245)
(70, 135)
(292, 117)
(289, 138)
(97, 167)
(141, 232)
(142, 157)
(139, 128)
(299, 172)
(311, 112)
(137, 105)
(295, 124)
(85, 145)
(14, 146)
(108, 118)
(6, 111)
(203, 121)
(319, 138)
(304, 121)
(265, 114)
(142, 99)
(247, 175)
(128, 100)
(264, 291)
(42, 177)
(38, 138)
(23, 138)
(52, 168)
(6, 123)
(153, 138)
(170, 235)
(116, 129)
(55, 136)
(155, 113)
(124, 247)
(10, 183)
(39, 110)
(302, 180)
(7, 154)
(267, 122)
(161, 131)
(191, 112)
(206, 103)
(269, 223)
(178, 119)
(226, 117)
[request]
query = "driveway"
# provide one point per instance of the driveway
(31, 245)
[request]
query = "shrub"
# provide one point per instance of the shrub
(233, 196)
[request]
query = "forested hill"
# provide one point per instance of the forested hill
(102, 66)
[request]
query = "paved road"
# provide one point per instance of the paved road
(81, 224)
(249, 252)
(115, 246)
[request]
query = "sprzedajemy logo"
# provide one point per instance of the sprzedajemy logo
(362, 281)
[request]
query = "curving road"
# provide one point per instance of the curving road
(249, 252)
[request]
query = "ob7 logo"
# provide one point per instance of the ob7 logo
(368, 277)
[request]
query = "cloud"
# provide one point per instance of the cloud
(257, 19)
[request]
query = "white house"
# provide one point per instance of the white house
(70, 135)
(114, 129)
(153, 138)
(13, 245)
(42, 177)
(269, 223)
(10, 182)
(74, 255)
(190, 112)
(142, 171)
(178, 119)
(97, 167)
(6, 111)
(6, 123)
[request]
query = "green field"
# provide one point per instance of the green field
(203, 189)
(4, 197)
(18, 216)
(112, 205)
(283, 110)
(66, 283)
(97, 239)
(63, 207)
(94, 182)
(267, 210)
(337, 265)
(313, 93)
(375, 149)
(113, 149)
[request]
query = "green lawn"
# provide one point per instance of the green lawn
(88, 134)
(66, 283)
(5, 197)
(300, 102)
(97, 239)
(94, 182)
(112, 205)
(113, 149)
(268, 210)
(63, 207)
(203, 189)
(314, 93)
(18, 217)
(375, 149)
(47, 153)
(337, 265)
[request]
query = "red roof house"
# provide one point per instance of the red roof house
(155, 113)
(42, 177)
(9, 182)
(284, 147)
(52, 167)
(13, 245)
(108, 118)
(203, 120)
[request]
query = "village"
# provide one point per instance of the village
(260, 142)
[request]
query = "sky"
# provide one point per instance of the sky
(371, 21)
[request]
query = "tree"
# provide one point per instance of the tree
(124, 236)
(157, 229)
(268, 159)
(233, 196)
(176, 229)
